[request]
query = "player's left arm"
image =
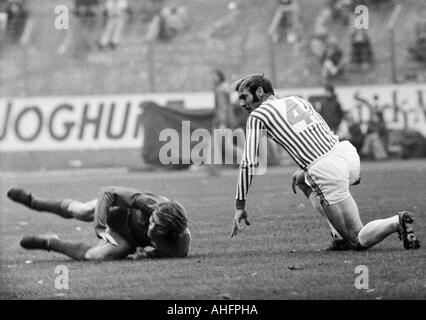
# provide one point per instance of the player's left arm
(146, 253)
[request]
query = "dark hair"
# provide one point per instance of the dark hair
(172, 217)
(252, 82)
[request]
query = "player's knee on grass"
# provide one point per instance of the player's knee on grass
(350, 236)
(353, 241)
(360, 246)
(107, 251)
(344, 217)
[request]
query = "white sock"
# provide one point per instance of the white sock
(376, 231)
(317, 205)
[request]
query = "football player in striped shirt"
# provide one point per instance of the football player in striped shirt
(327, 166)
(127, 221)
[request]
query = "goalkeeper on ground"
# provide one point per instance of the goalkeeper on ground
(126, 221)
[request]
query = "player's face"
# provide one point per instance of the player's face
(246, 100)
(154, 228)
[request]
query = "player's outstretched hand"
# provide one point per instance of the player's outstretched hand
(240, 214)
(293, 182)
(144, 253)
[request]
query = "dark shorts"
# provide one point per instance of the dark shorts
(102, 219)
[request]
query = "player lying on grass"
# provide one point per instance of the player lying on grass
(124, 219)
(327, 166)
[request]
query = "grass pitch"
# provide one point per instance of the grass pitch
(280, 256)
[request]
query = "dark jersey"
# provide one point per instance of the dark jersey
(132, 221)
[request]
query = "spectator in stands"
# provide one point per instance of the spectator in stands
(332, 61)
(85, 8)
(413, 144)
(376, 140)
(3, 22)
(362, 53)
(321, 23)
(377, 116)
(4, 4)
(355, 134)
(282, 22)
(116, 14)
(166, 25)
(173, 21)
(17, 16)
(150, 9)
(373, 147)
(223, 118)
(231, 21)
(341, 10)
(418, 51)
(321, 33)
(331, 109)
(86, 13)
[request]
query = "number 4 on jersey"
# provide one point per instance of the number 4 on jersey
(295, 116)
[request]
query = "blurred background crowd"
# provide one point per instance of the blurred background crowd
(141, 46)
(158, 45)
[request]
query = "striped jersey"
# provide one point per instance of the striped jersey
(291, 122)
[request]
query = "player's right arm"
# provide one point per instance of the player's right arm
(249, 162)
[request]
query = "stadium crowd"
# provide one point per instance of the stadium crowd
(372, 138)
(104, 22)
(108, 18)
(326, 46)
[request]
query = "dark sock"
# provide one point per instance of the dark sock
(74, 250)
(59, 207)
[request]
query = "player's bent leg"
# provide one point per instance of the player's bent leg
(37, 242)
(337, 241)
(20, 196)
(83, 211)
(107, 251)
(344, 216)
(79, 251)
(73, 250)
(376, 231)
(58, 207)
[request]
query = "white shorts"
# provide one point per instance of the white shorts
(331, 175)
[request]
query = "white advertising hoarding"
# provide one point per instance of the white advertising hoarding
(80, 123)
